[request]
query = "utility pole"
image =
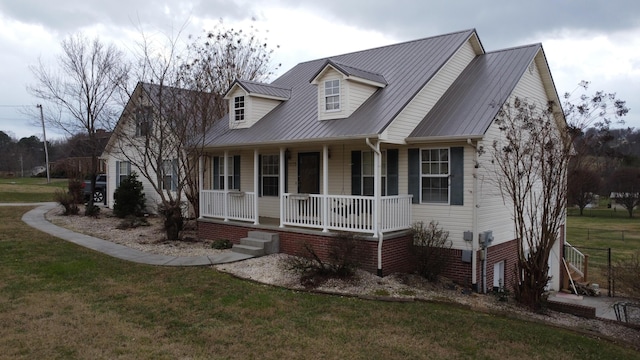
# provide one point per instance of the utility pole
(44, 137)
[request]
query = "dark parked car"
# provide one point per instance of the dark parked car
(100, 191)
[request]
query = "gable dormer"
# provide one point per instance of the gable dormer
(343, 88)
(249, 101)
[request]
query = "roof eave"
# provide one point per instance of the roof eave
(443, 139)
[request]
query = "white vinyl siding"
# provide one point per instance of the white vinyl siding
(424, 101)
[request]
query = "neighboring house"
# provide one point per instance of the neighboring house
(617, 199)
(140, 126)
(77, 163)
(370, 142)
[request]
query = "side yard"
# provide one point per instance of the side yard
(29, 189)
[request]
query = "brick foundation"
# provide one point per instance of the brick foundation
(396, 256)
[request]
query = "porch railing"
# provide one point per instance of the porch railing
(239, 204)
(575, 258)
(346, 212)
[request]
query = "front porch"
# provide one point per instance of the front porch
(314, 211)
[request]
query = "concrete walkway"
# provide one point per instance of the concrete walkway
(35, 218)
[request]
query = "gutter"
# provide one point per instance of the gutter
(376, 210)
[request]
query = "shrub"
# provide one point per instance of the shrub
(75, 190)
(342, 261)
(92, 210)
(429, 246)
(129, 197)
(67, 201)
(222, 244)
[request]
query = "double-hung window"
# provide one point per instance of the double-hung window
(332, 95)
(368, 173)
(435, 175)
(169, 175)
(219, 173)
(238, 107)
(270, 175)
(123, 169)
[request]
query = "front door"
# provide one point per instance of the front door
(309, 173)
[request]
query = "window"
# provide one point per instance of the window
(332, 95)
(368, 173)
(169, 174)
(238, 106)
(270, 174)
(123, 169)
(218, 183)
(144, 120)
(435, 175)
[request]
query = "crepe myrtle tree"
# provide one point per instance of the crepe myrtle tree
(175, 107)
(531, 158)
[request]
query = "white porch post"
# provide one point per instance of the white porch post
(200, 185)
(226, 185)
(281, 184)
(377, 183)
(325, 188)
(256, 185)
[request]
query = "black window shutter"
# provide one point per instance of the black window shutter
(286, 175)
(392, 172)
(236, 172)
(457, 176)
(117, 174)
(356, 173)
(260, 175)
(216, 173)
(414, 174)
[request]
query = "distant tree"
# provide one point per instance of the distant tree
(583, 187)
(7, 152)
(626, 187)
(531, 161)
(80, 94)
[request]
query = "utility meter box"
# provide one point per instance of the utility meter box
(486, 238)
(467, 236)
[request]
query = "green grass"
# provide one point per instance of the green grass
(603, 229)
(18, 190)
(58, 300)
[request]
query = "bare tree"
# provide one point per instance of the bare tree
(583, 188)
(181, 97)
(531, 160)
(626, 186)
(81, 91)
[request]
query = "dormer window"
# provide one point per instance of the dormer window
(238, 106)
(332, 95)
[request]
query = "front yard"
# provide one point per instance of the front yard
(58, 300)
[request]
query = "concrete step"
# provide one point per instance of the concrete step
(261, 243)
(270, 241)
(248, 249)
(262, 235)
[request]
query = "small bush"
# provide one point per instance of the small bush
(429, 246)
(129, 197)
(92, 210)
(342, 261)
(75, 190)
(67, 201)
(222, 244)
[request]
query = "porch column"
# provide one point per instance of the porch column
(281, 180)
(377, 184)
(256, 185)
(325, 188)
(226, 185)
(200, 185)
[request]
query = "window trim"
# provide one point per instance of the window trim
(239, 108)
(383, 173)
(172, 174)
(336, 95)
(220, 173)
(446, 176)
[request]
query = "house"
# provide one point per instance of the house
(144, 141)
(78, 158)
(370, 142)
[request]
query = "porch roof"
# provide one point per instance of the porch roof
(406, 67)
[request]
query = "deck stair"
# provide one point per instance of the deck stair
(258, 243)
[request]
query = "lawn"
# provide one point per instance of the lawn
(602, 229)
(29, 189)
(58, 300)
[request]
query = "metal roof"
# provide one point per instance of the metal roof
(406, 67)
(471, 103)
(352, 71)
(253, 87)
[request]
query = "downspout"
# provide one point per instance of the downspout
(474, 229)
(376, 203)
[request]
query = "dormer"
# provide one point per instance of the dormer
(249, 101)
(343, 88)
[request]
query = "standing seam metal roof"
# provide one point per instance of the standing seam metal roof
(406, 67)
(471, 103)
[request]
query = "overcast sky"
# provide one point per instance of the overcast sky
(590, 40)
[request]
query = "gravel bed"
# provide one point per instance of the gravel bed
(273, 270)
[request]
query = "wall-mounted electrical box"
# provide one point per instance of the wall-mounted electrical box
(467, 236)
(466, 256)
(486, 238)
